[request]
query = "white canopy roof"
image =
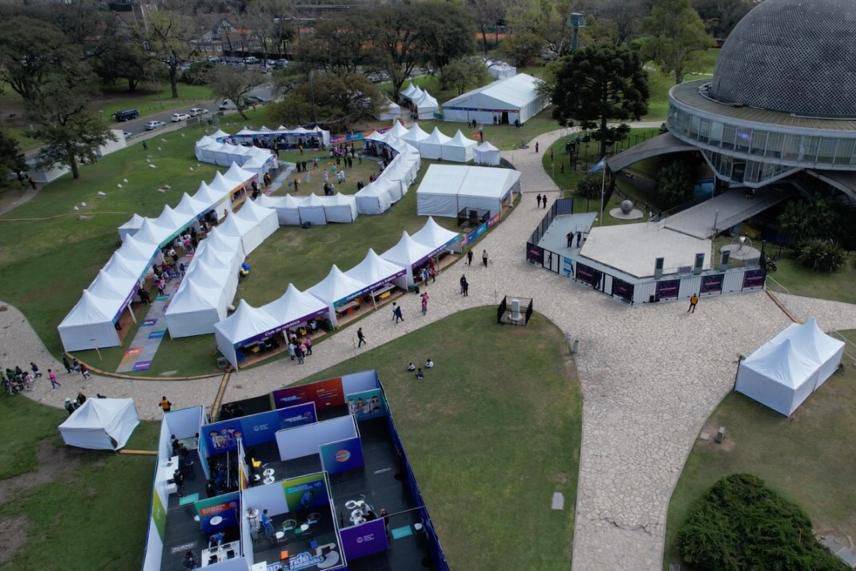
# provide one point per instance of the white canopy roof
(136, 249)
(374, 269)
(246, 322)
(221, 184)
(239, 175)
(169, 218)
(100, 424)
(414, 134)
(133, 223)
(487, 154)
(219, 133)
(782, 363)
(459, 140)
(375, 136)
(253, 211)
(409, 90)
(437, 137)
(407, 251)
(293, 306)
(486, 147)
(206, 141)
(110, 286)
(193, 296)
(427, 101)
(208, 195)
(189, 206)
(152, 233)
(398, 130)
(433, 235)
(511, 93)
(336, 286)
(90, 308)
(118, 265)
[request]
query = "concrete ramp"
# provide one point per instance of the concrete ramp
(724, 211)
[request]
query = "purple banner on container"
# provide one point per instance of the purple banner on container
(753, 279)
(364, 539)
(711, 284)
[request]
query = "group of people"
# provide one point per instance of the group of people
(299, 346)
(570, 239)
(72, 405)
(542, 200)
(420, 376)
(18, 380)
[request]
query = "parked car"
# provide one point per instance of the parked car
(126, 115)
(179, 117)
(250, 60)
(197, 111)
(152, 125)
(226, 104)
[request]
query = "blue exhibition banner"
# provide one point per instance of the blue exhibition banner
(218, 513)
(365, 405)
(221, 437)
(342, 456)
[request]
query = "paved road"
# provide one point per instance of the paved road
(651, 375)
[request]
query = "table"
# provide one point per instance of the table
(353, 304)
(384, 292)
(269, 480)
(268, 472)
(212, 555)
(216, 520)
(184, 500)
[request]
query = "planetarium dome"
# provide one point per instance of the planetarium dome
(792, 56)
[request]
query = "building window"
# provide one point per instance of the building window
(759, 142)
(774, 145)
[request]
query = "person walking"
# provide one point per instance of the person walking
(308, 342)
(536, 147)
(538, 199)
(165, 405)
(52, 378)
(66, 364)
(300, 351)
(544, 201)
(399, 315)
(570, 239)
(470, 258)
(424, 299)
(693, 303)
(484, 258)
(35, 369)
(579, 239)
(361, 337)
(394, 312)
(464, 286)
(292, 353)
(84, 372)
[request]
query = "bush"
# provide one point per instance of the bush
(589, 186)
(198, 73)
(821, 255)
(740, 524)
(675, 184)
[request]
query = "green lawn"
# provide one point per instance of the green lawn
(151, 99)
(506, 137)
(660, 83)
(87, 506)
(492, 432)
(799, 280)
(807, 458)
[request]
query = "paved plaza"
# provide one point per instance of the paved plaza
(650, 374)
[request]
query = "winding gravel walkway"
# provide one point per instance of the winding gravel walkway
(650, 375)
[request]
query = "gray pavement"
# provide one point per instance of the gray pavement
(651, 375)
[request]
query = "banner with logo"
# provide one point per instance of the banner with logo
(323, 393)
(364, 539)
(342, 456)
(221, 437)
(711, 284)
(754, 279)
(218, 513)
(305, 492)
(365, 405)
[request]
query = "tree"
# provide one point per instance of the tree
(234, 84)
(30, 51)
(168, 34)
(444, 31)
(675, 183)
(122, 58)
(487, 14)
(590, 186)
(394, 42)
(63, 120)
(598, 84)
(522, 48)
(720, 16)
(336, 44)
(824, 256)
(334, 99)
(544, 19)
(626, 15)
(463, 73)
(814, 217)
(11, 157)
(268, 22)
(675, 33)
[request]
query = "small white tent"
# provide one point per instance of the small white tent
(389, 110)
(409, 90)
(398, 130)
(194, 309)
(487, 154)
(287, 207)
(100, 424)
(407, 253)
(459, 149)
(786, 370)
(264, 223)
(89, 324)
(336, 288)
(245, 324)
(414, 135)
(436, 237)
(312, 211)
(340, 208)
(295, 307)
(374, 271)
(373, 199)
(131, 226)
(445, 190)
(432, 147)
(426, 106)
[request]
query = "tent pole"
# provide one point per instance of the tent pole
(131, 311)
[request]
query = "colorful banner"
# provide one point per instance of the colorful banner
(711, 284)
(342, 456)
(221, 437)
(225, 507)
(366, 405)
(323, 393)
(364, 539)
(567, 267)
(534, 254)
(159, 515)
(754, 279)
(305, 492)
(622, 289)
(668, 289)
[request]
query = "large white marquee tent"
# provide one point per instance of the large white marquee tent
(446, 190)
(504, 101)
(787, 369)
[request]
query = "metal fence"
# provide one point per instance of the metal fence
(535, 254)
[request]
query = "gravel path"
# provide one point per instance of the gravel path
(651, 375)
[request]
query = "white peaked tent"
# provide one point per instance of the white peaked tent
(336, 288)
(445, 190)
(312, 211)
(340, 208)
(239, 175)
(245, 324)
(115, 287)
(263, 223)
(407, 253)
(426, 106)
(222, 243)
(391, 185)
(295, 307)
(137, 251)
(373, 199)
(409, 90)
(436, 237)
(398, 130)
(389, 110)
(217, 200)
(374, 271)
(432, 147)
(131, 226)
(100, 424)
(118, 265)
(190, 207)
(486, 154)
(236, 226)
(786, 370)
(219, 134)
(287, 207)
(221, 184)
(194, 309)
(171, 219)
(459, 149)
(414, 135)
(416, 94)
(153, 233)
(376, 137)
(89, 324)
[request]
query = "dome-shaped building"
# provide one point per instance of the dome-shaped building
(782, 99)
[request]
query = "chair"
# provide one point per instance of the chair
(289, 525)
(256, 463)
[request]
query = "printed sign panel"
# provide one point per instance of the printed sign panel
(754, 279)
(305, 492)
(366, 405)
(711, 284)
(323, 393)
(364, 539)
(588, 275)
(622, 289)
(534, 254)
(668, 289)
(342, 456)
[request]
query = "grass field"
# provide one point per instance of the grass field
(659, 83)
(807, 458)
(837, 286)
(492, 432)
(505, 137)
(69, 506)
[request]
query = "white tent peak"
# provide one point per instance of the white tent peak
(293, 304)
(133, 222)
(407, 251)
(373, 269)
(247, 321)
(486, 146)
(335, 286)
(433, 235)
(100, 424)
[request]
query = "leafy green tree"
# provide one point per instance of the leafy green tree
(816, 217)
(234, 84)
(122, 58)
(168, 34)
(11, 157)
(338, 43)
(740, 525)
(545, 20)
(464, 73)
(63, 120)
(30, 51)
(590, 186)
(522, 48)
(444, 31)
(335, 99)
(675, 183)
(821, 255)
(395, 47)
(720, 16)
(675, 34)
(487, 15)
(270, 22)
(598, 84)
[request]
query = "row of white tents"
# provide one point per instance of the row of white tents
(426, 104)
(437, 145)
(91, 323)
(392, 184)
(291, 136)
(787, 369)
(248, 324)
(446, 190)
(213, 149)
(312, 209)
